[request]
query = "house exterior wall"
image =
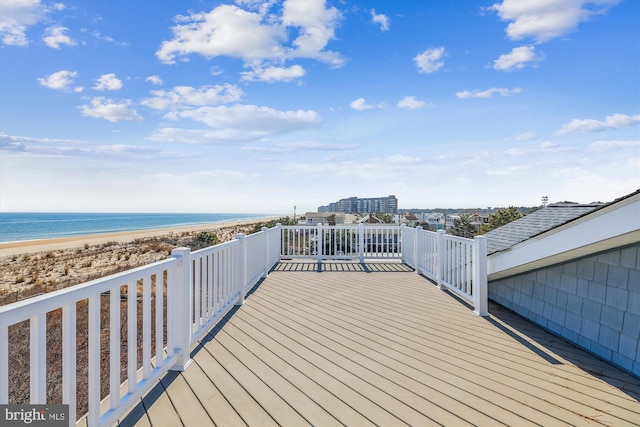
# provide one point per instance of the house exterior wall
(593, 302)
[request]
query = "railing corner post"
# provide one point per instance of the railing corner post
(480, 291)
(179, 309)
(440, 255)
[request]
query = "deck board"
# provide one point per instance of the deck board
(211, 399)
(186, 403)
(510, 386)
(381, 345)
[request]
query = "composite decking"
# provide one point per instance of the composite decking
(381, 345)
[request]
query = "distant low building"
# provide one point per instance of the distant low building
(409, 219)
(328, 218)
(370, 219)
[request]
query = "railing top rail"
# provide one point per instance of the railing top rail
(22, 310)
(217, 248)
(457, 238)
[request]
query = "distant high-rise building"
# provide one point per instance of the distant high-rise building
(355, 205)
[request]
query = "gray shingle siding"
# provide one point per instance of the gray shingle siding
(593, 302)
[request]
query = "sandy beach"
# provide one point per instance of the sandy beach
(33, 267)
(31, 246)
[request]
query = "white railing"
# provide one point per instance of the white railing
(170, 304)
(456, 263)
(327, 242)
(180, 298)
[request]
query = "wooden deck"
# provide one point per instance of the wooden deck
(382, 346)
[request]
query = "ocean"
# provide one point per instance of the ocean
(15, 227)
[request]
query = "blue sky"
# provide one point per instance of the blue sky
(257, 106)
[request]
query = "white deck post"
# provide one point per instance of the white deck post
(361, 242)
(403, 231)
(440, 254)
(179, 308)
(242, 265)
(320, 245)
(480, 292)
(416, 248)
(267, 258)
(281, 238)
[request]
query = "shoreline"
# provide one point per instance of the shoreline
(71, 242)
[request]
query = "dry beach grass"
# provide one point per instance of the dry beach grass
(32, 268)
(35, 267)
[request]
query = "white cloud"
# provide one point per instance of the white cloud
(16, 16)
(26, 144)
(61, 80)
(260, 6)
(187, 96)
(56, 37)
(430, 60)
(154, 80)
(487, 93)
(202, 136)
(260, 39)
(99, 36)
(517, 58)
(376, 168)
(526, 136)
(293, 147)
(612, 145)
(410, 102)
(547, 145)
(250, 117)
(226, 30)
(316, 27)
(103, 108)
(272, 74)
(108, 82)
(547, 19)
(517, 152)
(69, 148)
(380, 19)
(360, 104)
(236, 123)
(615, 121)
(510, 170)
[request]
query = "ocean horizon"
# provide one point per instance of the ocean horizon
(28, 226)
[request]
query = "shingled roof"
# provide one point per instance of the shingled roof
(533, 224)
